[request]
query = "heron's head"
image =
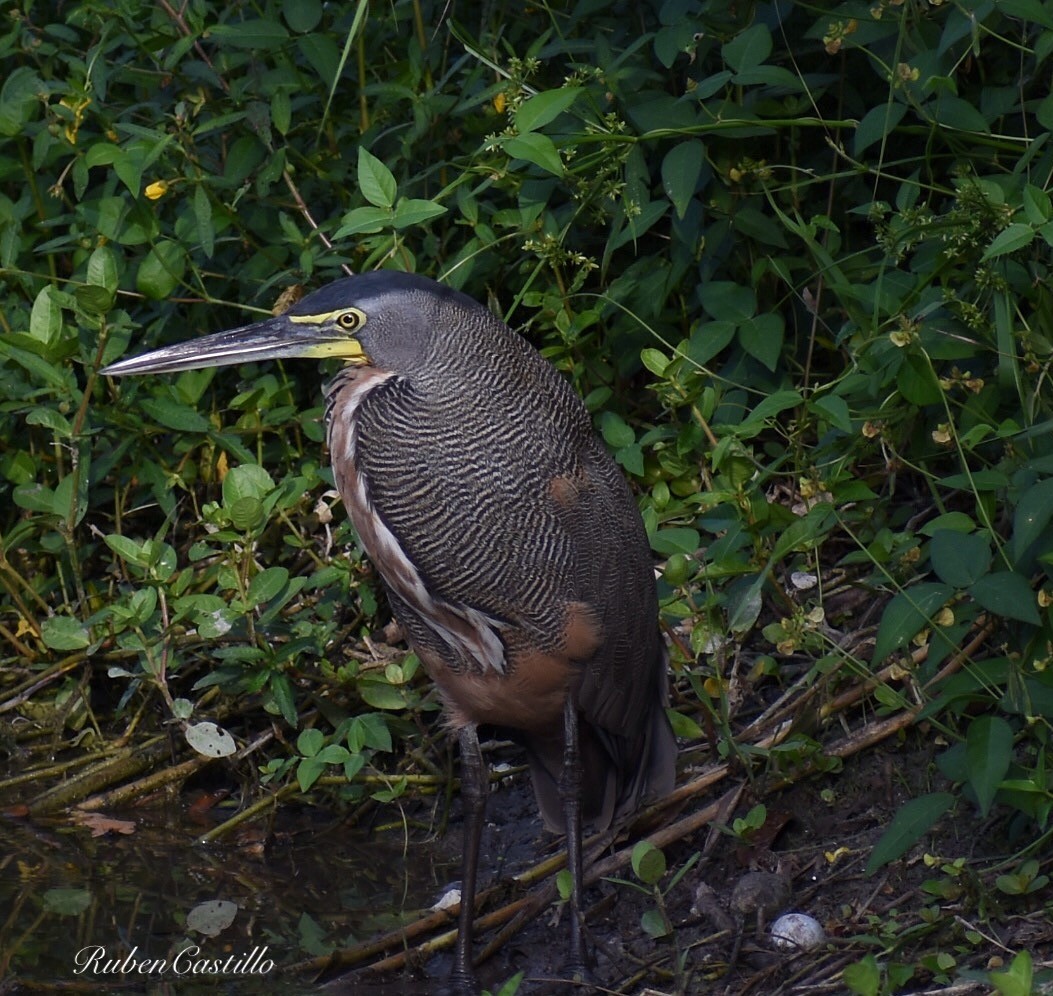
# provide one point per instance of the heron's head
(386, 319)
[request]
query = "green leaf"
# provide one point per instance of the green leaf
(537, 111)
(762, 337)
(364, 221)
(617, 433)
(45, 318)
(102, 269)
(1031, 518)
(35, 498)
(308, 771)
(64, 633)
(247, 480)
(729, 302)
(648, 862)
(989, 751)
(282, 698)
(380, 694)
(675, 539)
(681, 168)
(1013, 237)
(310, 742)
(302, 15)
(252, 34)
(1018, 979)
(863, 977)
(876, 124)
(835, 410)
(173, 415)
(162, 270)
(654, 924)
(267, 584)
(67, 902)
(958, 558)
(913, 820)
(906, 615)
(22, 93)
(748, 49)
(375, 181)
(535, 148)
(654, 360)
(411, 211)
(1007, 594)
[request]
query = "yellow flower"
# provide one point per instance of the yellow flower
(156, 190)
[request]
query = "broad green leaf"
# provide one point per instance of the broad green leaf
(648, 862)
(748, 49)
(537, 111)
(20, 95)
(835, 410)
(173, 415)
(380, 695)
(375, 181)
(364, 221)
(675, 539)
(913, 820)
(248, 480)
(162, 270)
(64, 633)
(35, 498)
(67, 902)
(308, 772)
(708, 339)
(53, 420)
(876, 124)
(1038, 205)
(102, 269)
(989, 751)
(535, 148)
(729, 302)
(654, 360)
(906, 615)
(45, 318)
(302, 15)
(681, 168)
(1007, 594)
(310, 742)
(1031, 518)
(761, 336)
(960, 559)
(616, 432)
(268, 583)
(413, 211)
(917, 382)
(1013, 237)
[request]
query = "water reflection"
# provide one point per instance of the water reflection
(151, 911)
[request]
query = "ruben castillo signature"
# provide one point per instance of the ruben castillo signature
(96, 960)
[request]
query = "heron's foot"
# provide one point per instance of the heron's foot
(460, 983)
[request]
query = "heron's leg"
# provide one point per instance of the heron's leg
(474, 786)
(570, 792)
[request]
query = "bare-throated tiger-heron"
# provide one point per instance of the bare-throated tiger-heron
(511, 547)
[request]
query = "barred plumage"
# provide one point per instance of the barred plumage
(509, 542)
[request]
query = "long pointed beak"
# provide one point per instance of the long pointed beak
(272, 339)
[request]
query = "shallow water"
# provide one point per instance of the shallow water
(154, 911)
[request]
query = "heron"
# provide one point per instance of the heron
(512, 550)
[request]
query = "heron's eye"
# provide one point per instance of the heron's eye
(349, 321)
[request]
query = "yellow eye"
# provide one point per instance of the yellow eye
(349, 321)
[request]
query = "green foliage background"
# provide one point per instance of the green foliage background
(795, 256)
